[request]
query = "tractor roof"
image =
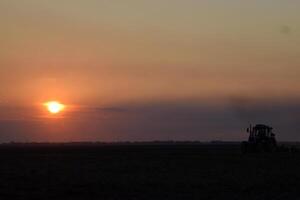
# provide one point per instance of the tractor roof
(262, 126)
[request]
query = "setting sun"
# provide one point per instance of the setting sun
(54, 107)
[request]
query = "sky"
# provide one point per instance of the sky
(141, 70)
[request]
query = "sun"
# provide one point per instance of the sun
(54, 107)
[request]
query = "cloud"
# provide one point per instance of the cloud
(160, 121)
(285, 29)
(283, 116)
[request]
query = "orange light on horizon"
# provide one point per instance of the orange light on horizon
(54, 107)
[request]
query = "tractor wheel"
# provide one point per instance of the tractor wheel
(244, 147)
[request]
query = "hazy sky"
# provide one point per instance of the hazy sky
(146, 70)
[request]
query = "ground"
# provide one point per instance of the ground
(146, 172)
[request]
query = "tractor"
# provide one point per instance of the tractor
(261, 139)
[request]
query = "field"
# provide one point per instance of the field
(194, 171)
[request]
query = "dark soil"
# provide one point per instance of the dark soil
(146, 172)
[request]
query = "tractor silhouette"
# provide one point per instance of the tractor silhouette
(261, 139)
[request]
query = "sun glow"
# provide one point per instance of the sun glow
(54, 107)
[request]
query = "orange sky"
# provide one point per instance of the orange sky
(112, 53)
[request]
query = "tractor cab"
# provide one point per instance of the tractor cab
(261, 133)
(261, 139)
